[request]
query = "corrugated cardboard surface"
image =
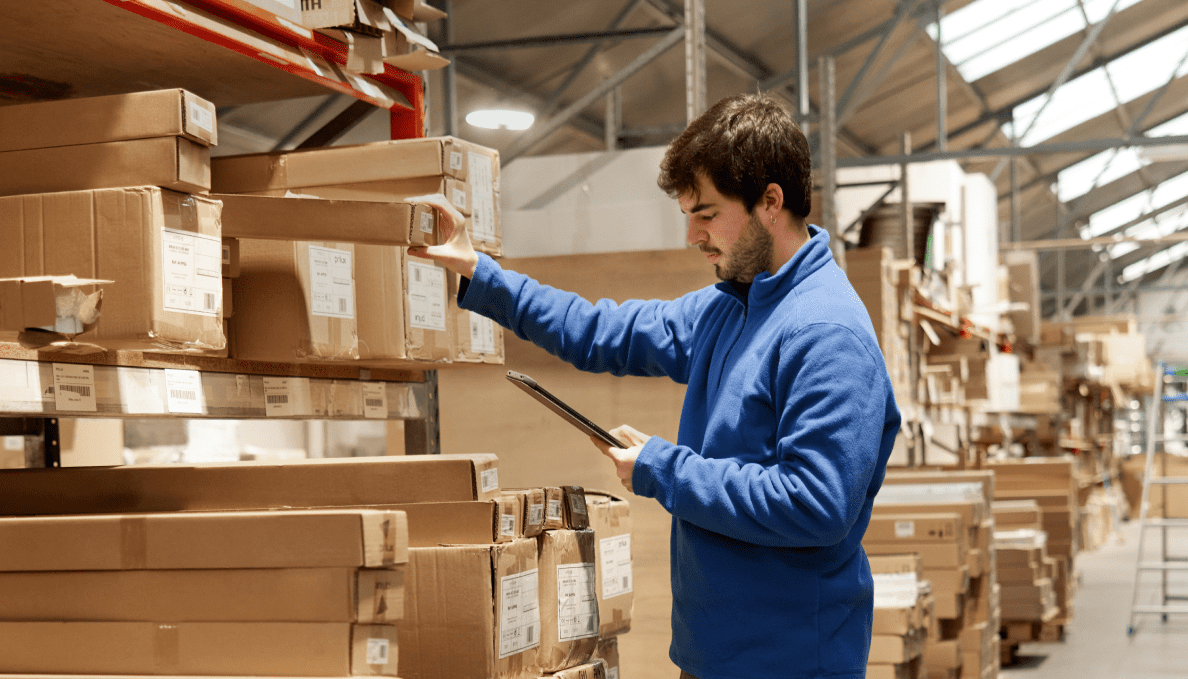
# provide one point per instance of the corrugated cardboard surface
(595, 669)
(477, 339)
(388, 190)
(426, 324)
(139, 115)
(317, 219)
(533, 502)
(457, 602)
(169, 162)
(610, 518)
(399, 324)
(608, 651)
(208, 540)
(276, 320)
(116, 234)
(230, 257)
(379, 161)
(451, 523)
(221, 648)
(192, 595)
(341, 482)
(568, 598)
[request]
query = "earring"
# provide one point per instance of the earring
(773, 220)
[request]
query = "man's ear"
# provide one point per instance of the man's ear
(772, 200)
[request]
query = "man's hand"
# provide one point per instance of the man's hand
(455, 252)
(624, 458)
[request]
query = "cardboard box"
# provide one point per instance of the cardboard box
(337, 165)
(289, 10)
(358, 15)
(329, 482)
(119, 117)
(568, 598)
(595, 669)
(329, 538)
(456, 191)
(194, 648)
(471, 612)
(972, 513)
(230, 257)
(607, 651)
(373, 595)
(477, 339)
(403, 308)
(913, 669)
(943, 655)
(914, 527)
(62, 305)
(446, 523)
(935, 555)
(319, 219)
(160, 248)
(610, 518)
(892, 649)
(168, 162)
(897, 563)
(533, 502)
(296, 302)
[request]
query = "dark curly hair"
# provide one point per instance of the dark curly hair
(743, 143)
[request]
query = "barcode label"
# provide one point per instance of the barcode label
(377, 651)
(342, 305)
(277, 398)
(489, 480)
(426, 295)
(455, 160)
(535, 514)
(178, 393)
(208, 301)
(507, 525)
(426, 222)
(905, 529)
(554, 513)
(577, 603)
(183, 389)
(614, 560)
(285, 396)
(375, 400)
(519, 612)
(531, 634)
(74, 387)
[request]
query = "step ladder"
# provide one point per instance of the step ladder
(1167, 528)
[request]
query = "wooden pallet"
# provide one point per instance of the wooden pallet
(1032, 631)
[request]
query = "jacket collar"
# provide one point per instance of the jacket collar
(768, 288)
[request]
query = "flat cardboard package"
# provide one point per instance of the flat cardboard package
(608, 652)
(160, 248)
(466, 523)
(296, 302)
(118, 117)
(326, 538)
(533, 502)
(471, 612)
(477, 339)
(318, 219)
(595, 669)
(914, 527)
(275, 649)
(371, 595)
(565, 507)
(230, 257)
(168, 162)
(568, 598)
(329, 482)
(456, 191)
(610, 518)
(403, 309)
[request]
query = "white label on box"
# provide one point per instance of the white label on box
(226, 255)
(201, 117)
(519, 613)
(535, 514)
(455, 160)
(278, 397)
(426, 222)
(507, 525)
(577, 604)
(375, 400)
(14, 442)
(426, 296)
(377, 652)
(905, 529)
(554, 510)
(577, 504)
(614, 553)
(489, 480)
(191, 272)
(459, 199)
(183, 391)
(482, 198)
(331, 283)
(482, 334)
(74, 387)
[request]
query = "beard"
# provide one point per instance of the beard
(750, 256)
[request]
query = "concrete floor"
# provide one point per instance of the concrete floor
(1096, 645)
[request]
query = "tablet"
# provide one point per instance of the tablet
(563, 409)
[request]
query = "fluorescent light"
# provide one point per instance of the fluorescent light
(497, 119)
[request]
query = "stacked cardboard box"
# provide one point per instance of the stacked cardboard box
(904, 619)
(103, 189)
(1026, 576)
(1051, 483)
(403, 307)
(873, 276)
(377, 33)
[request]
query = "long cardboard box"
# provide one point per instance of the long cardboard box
(448, 523)
(315, 219)
(161, 249)
(892, 649)
(198, 648)
(119, 117)
(610, 518)
(168, 162)
(296, 302)
(934, 554)
(372, 595)
(918, 527)
(340, 482)
(328, 538)
(568, 598)
(403, 308)
(471, 612)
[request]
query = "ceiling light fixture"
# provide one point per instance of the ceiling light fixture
(500, 119)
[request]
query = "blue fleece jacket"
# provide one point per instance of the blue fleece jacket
(787, 425)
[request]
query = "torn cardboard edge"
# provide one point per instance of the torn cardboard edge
(53, 304)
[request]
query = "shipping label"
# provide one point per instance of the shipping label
(507, 525)
(331, 283)
(426, 296)
(74, 387)
(375, 400)
(191, 272)
(577, 603)
(377, 651)
(489, 480)
(183, 391)
(554, 510)
(482, 198)
(905, 529)
(519, 613)
(535, 514)
(482, 334)
(614, 554)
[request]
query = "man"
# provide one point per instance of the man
(788, 419)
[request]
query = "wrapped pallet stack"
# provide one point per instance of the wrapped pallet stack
(904, 619)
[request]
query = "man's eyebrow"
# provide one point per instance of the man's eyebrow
(698, 208)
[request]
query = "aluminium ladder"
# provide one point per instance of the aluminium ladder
(1168, 527)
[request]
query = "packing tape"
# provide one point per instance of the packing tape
(166, 649)
(389, 549)
(134, 543)
(380, 599)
